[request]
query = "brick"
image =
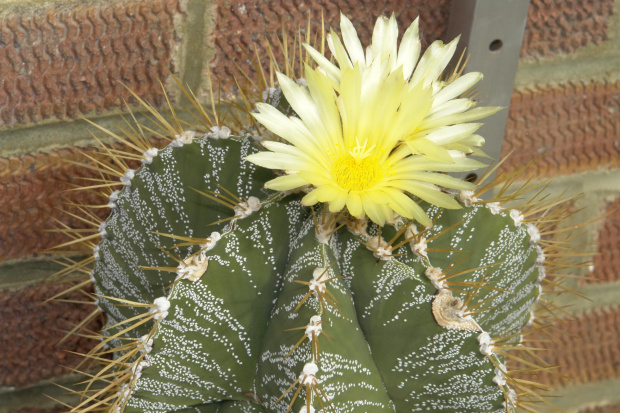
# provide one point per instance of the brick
(585, 348)
(62, 61)
(557, 27)
(575, 127)
(33, 191)
(244, 24)
(607, 262)
(30, 333)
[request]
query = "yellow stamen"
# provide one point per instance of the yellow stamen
(358, 169)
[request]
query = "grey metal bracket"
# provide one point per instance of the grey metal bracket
(492, 33)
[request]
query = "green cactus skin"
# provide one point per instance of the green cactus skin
(226, 343)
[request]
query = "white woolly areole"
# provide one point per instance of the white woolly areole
(313, 329)
(486, 344)
(534, 233)
(380, 249)
(123, 392)
(129, 175)
(113, 198)
(319, 273)
(467, 198)
(323, 231)
(494, 207)
(212, 241)
(499, 378)
(383, 253)
(512, 398)
(516, 216)
(317, 283)
(302, 82)
(149, 155)
(184, 138)
(419, 248)
(102, 230)
(162, 305)
(316, 286)
(137, 368)
(433, 274)
(411, 232)
(308, 376)
(220, 133)
(358, 226)
(96, 253)
(245, 209)
(304, 410)
(542, 273)
(540, 255)
(146, 344)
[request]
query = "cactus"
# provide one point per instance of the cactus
(224, 296)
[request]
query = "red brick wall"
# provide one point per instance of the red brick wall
(68, 60)
(64, 60)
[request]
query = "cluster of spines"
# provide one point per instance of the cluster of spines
(325, 225)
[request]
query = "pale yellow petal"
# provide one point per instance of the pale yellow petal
(451, 107)
(457, 88)
(349, 101)
(429, 149)
(351, 41)
(286, 182)
(454, 133)
(317, 176)
(444, 180)
(469, 116)
(338, 50)
(414, 106)
(325, 99)
(429, 193)
(409, 49)
(384, 40)
(354, 204)
(323, 193)
(433, 62)
(373, 210)
(420, 163)
(330, 69)
(336, 204)
(286, 128)
(273, 160)
(406, 207)
(302, 103)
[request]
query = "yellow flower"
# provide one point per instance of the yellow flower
(372, 131)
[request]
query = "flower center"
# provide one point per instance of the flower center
(357, 169)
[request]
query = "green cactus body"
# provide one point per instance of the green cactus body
(286, 303)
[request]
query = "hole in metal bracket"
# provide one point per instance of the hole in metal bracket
(472, 177)
(495, 45)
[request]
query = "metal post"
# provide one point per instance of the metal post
(492, 33)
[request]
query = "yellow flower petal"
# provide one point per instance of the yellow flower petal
(375, 131)
(354, 204)
(351, 41)
(286, 183)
